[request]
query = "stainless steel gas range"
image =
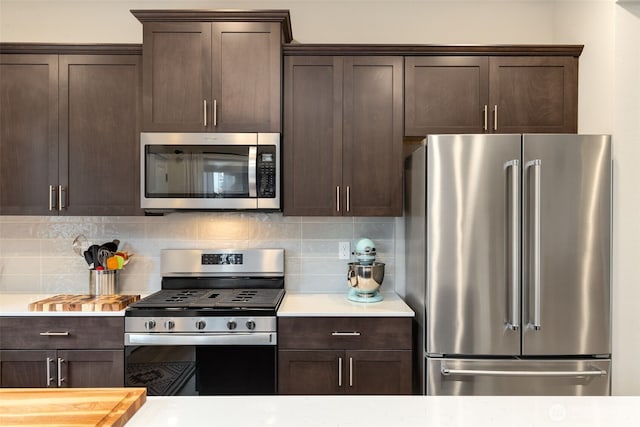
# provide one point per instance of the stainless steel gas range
(211, 329)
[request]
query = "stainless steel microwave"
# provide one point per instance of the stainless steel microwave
(203, 171)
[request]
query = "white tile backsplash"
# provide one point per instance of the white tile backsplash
(36, 255)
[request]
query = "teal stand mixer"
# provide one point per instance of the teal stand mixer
(365, 276)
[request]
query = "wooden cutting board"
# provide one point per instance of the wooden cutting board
(84, 303)
(78, 407)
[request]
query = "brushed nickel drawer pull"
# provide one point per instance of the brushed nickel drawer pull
(54, 334)
(345, 334)
(339, 371)
(351, 372)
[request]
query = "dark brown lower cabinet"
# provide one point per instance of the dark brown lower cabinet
(324, 372)
(51, 351)
(62, 368)
(350, 355)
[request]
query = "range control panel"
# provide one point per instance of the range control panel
(222, 259)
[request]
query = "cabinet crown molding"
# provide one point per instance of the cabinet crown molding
(72, 49)
(428, 49)
(203, 15)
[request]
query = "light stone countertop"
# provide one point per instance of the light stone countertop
(387, 411)
(337, 305)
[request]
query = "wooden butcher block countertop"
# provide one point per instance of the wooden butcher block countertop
(84, 303)
(78, 407)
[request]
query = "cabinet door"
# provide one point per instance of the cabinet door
(177, 76)
(446, 95)
(317, 372)
(28, 368)
(312, 143)
(379, 372)
(373, 128)
(91, 368)
(99, 133)
(28, 133)
(246, 79)
(534, 94)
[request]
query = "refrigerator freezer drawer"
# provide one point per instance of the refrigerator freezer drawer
(484, 377)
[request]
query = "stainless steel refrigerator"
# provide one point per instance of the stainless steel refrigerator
(508, 263)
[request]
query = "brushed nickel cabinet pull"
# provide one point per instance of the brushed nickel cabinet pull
(338, 198)
(345, 334)
(351, 372)
(348, 198)
(61, 379)
(49, 377)
(52, 198)
(62, 197)
(215, 112)
(54, 334)
(204, 112)
(495, 117)
(485, 111)
(339, 371)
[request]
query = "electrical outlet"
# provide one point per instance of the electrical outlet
(344, 250)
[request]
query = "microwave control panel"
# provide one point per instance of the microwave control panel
(266, 165)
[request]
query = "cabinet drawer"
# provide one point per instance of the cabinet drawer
(362, 333)
(61, 332)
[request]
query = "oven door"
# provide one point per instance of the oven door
(202, 370)
(209, 171)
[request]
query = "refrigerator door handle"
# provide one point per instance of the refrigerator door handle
(536, 323)
(592, 372)
(514, 323)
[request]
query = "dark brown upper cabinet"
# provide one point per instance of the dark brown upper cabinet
(203, 75)
(69, 130)
(533, 94)
(28, 132)
(445, 94)
(520, 89)
(343, 136)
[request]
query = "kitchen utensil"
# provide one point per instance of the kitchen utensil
(365, 276)
(91, 255)
(111, 246)
(104, 254)
(80, 244)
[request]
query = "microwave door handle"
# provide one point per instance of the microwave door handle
(253, 160)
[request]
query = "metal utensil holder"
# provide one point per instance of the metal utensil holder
(104, 282)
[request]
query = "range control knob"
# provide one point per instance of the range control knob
(251, 325)
(231, 324)
(149, 324)
(169, 324)
(201, 324)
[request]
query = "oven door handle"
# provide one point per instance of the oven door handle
(236, 338)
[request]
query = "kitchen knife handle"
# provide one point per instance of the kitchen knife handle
(204, 112)
(486, 114)
(337, 198)
(49, 377)
(61, 379)
(339, 371)
(514, 165)
(495, 117)
(536, 323)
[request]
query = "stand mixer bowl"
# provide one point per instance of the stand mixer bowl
(365, 279)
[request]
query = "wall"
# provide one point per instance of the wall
(609, 100)
(36, 254)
